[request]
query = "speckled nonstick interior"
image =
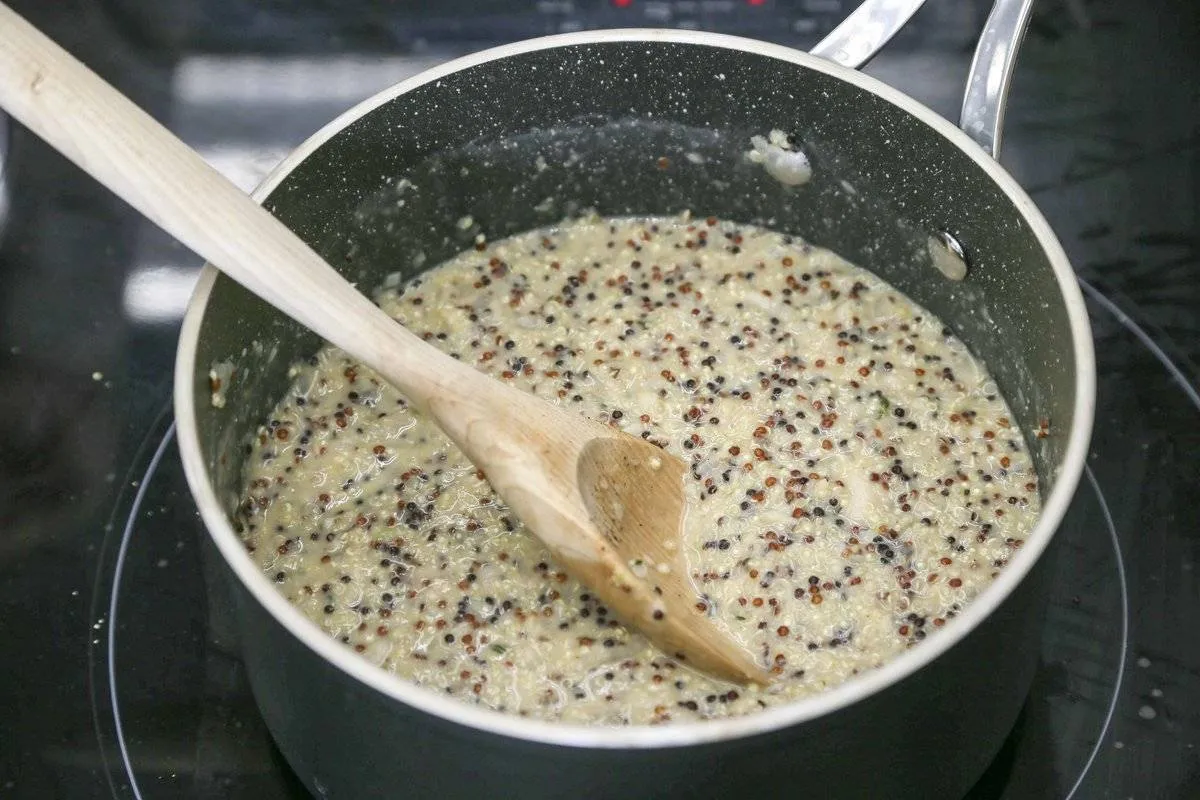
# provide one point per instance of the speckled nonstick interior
(628, 123)
(588, 130)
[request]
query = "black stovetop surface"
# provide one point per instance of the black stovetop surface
(115, 681)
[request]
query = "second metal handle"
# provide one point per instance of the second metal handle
(988, 82)
(872, 25)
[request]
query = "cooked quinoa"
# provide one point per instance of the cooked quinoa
(855, 479)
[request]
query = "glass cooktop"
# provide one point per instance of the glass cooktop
(120, 680)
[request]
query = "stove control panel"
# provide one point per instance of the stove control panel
(456, 25)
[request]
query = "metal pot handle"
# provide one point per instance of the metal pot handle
(870, 26)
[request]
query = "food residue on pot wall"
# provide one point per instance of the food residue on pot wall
(219, 377)
(780, 158)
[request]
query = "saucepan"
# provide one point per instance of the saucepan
(638, 122)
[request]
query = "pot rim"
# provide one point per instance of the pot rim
(682, 733)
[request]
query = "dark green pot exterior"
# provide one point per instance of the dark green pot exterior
(586, 125)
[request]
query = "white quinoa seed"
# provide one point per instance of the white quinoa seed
(855, 480)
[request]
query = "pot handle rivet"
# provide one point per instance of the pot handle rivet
(948, 255)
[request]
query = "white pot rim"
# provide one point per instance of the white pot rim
(684, 733)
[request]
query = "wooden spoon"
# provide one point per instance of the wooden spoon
(609, 506)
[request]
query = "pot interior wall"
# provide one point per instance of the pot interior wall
(648, 128)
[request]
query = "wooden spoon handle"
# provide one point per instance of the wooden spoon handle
(122, 147)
